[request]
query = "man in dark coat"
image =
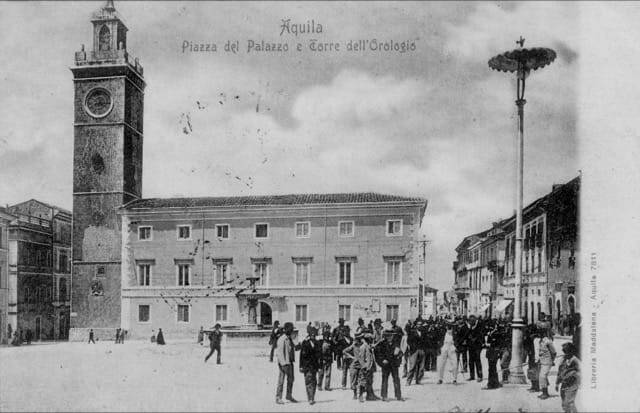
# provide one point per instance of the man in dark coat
(494, 340)
(530, 334)
(310, 353)
(341, 340)
(215, 338)
(460, 335)
(326, 359)
(160, 338)
(415, 347)
(505, 348)
(475, 340)
(117, 336)
(91, 337)
(273, 338)
(431, 340)
(397, 333)
(389, 357)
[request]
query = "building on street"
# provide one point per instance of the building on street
(550, 251)
(429, 301)
(252, 260)
(39, 269)
(484, 273)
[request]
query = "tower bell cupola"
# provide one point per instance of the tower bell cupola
(109, 40)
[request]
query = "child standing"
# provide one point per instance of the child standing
(568, 377)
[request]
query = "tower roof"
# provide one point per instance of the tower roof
(107, 12)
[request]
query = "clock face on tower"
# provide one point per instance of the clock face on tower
(98, 102)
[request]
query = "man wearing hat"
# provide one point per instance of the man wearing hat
(529, 340)
(460, 333)
(215, 338)
(369, 339)
(377, 331)
(415, 347)
(568, 377)
(361, 362)
(310, 362)
(286, 355)
(397, 333)
(389, 357)
(341, 340)
(505, 348)
(475, 342)
(326, 359)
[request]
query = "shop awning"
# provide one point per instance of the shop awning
(502, 305)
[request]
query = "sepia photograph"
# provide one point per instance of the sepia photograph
(369, 206)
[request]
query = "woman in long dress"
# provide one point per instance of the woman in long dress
(160, 337)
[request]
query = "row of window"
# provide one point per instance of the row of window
(261, 230)
(533, 262)
(45, 294)
(183, 313)
(31, 254)
(302, 313)
(301, 275)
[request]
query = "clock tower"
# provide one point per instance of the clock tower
(107, 169)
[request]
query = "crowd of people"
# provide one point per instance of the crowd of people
(431, 344)
(423, 345)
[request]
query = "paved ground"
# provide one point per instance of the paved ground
(141, 376)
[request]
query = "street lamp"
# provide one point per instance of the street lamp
(521, 61)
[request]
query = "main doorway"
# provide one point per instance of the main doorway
(265, 314)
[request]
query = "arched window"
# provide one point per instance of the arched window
(104, 39)
(539, 310)
(572, 304)
(62, 289)
(533, 316)
(551, 307)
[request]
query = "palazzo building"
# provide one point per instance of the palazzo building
(191, 262)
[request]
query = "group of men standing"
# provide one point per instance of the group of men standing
(357, 357)
(424, 345)
(420, 344)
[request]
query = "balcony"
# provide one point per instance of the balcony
(495, 265)
(114, 57)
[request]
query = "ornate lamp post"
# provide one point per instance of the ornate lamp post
(521, 61)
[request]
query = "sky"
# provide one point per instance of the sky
(433, 122)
